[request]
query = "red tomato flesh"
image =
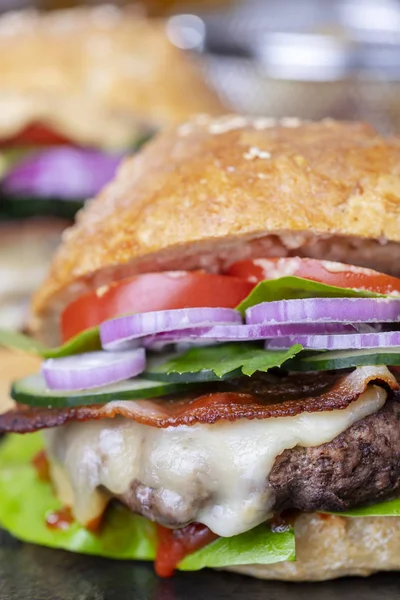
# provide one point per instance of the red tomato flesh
(37, 134)
(175, 544)
(323, 271)
(152, 291)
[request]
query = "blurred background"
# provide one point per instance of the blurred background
(79, 90)
(309, 58)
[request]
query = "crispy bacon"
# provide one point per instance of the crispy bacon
(256, 398)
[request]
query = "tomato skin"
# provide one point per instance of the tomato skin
(175, 544)
(152, 291)
(323, 271)
(37, 134)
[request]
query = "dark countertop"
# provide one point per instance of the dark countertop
(31, 573)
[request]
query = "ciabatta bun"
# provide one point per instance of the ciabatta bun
(328, 547)
(214, 191)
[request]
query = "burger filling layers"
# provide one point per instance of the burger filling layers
(209, 404)
(217, 475)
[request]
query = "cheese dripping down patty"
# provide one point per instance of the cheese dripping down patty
(225, 464)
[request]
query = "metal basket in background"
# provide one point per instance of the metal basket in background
(309, 58)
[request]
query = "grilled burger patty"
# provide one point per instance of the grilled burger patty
(360, 466)
(232, 474)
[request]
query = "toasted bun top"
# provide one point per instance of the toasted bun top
(217, 190)
(95, 74)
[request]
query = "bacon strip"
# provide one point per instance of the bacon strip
(256, 398)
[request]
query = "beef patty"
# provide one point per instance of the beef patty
(359, 467)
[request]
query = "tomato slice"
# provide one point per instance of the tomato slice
(152, 291)
(323, 271)
(37, 134)
(175, 544)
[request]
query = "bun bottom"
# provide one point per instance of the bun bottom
(330, 546)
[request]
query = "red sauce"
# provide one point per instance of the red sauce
(94, 525)
(37, 134)
(60, 519)
(40, 462)
(175, 544)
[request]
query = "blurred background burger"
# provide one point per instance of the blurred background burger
(79, 89)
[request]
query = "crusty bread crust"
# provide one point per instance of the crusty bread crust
(95, 74)
(214, 191)
(328, 547)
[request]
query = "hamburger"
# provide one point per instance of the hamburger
(79, 89)
(224, 392)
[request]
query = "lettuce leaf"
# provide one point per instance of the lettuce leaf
(86, 341)
(287, 288)
(258, 546)
(215, 362)
(25, 501)
(13, 340)
(390, 508)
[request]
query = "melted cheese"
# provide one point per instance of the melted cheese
(228, 464)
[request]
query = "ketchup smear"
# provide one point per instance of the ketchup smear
(175, 544)
(60, 519)
(40, 463)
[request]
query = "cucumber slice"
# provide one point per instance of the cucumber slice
(16, 207)
(344, 359)
(32, 390)
(189, 377)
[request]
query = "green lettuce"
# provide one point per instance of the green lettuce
(25, 501)
(259, 546)
(390, 508)
(215, 362)
(13, 340)
(86, 341)
(287, 288)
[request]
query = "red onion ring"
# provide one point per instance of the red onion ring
(119, 333)
(332, 310)
(63, 172)
(239, 333)
(350, 341)
(92, 369)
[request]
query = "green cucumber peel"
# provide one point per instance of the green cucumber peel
(32, 390)
(345, 359)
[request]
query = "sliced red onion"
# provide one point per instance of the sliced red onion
(119, 333)
(66, 173)
(239, 333)
(92, 369)
(333, 310)
(351, 341)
